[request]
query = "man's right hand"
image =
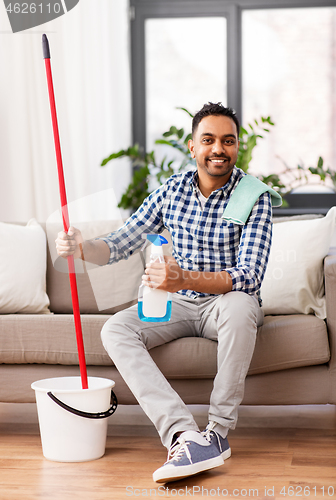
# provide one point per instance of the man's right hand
(69, 244)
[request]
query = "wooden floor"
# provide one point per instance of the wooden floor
(266, 463)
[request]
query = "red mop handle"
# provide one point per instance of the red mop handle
(65, 216)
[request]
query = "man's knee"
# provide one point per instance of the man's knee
(238, 308)
(117, 326)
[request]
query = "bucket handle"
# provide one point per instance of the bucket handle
(80, 413)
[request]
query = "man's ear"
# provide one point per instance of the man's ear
(191, 148)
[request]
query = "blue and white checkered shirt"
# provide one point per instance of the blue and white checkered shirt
(202, 240)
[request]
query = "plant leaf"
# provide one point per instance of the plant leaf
(163, 141)
(187, 139)
(184, 109)
(180, 133)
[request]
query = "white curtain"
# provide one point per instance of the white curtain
(90, 64)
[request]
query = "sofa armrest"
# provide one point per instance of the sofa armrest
(330, 291)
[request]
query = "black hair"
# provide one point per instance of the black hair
(214, 109)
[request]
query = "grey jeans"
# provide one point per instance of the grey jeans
(231, 319)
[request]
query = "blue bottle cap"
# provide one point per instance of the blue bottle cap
(155, 239)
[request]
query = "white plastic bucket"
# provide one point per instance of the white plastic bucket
(66, 436)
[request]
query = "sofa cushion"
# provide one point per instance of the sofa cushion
(283, 342)
(23, 261)
(293, 281)
(50, 339)
(291, 341)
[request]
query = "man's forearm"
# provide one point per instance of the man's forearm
(207, 282)
(96, 252)
(172, 278)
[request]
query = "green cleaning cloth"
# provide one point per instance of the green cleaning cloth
(244, 197)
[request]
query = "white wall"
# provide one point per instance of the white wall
(90, 64)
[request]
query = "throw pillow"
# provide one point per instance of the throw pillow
(23, 260)
(293, 280)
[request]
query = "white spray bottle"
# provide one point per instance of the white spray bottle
(153, 304)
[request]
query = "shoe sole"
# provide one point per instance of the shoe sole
(226, 454)
(187, 470)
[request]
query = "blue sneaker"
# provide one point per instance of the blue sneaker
(222, 444)
(190, 454)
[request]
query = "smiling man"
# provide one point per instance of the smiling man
(215, 146)
(215, 274)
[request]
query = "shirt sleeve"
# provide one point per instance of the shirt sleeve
(254, 248)
(147, 219)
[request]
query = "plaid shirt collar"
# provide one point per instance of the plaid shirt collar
(226, 189)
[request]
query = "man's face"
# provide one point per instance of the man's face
(215, 147)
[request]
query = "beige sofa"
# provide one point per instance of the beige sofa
(294, 360)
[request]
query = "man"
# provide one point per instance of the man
(214, 274)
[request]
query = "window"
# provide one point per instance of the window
(288, 67)
(271, 61)
(182, 69)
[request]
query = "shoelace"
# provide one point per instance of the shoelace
(209, 432)
(177, 450)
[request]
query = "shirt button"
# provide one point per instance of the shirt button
(200, 249)
(201, 268)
